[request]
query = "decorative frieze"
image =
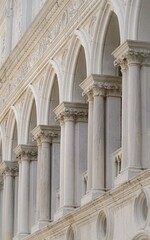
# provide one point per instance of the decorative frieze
(44, 38)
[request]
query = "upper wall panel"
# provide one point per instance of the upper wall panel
(144, 21)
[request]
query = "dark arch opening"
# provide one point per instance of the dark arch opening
(80, 74)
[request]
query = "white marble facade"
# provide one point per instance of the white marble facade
(74, 120)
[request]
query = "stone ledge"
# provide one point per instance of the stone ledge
(112, 199)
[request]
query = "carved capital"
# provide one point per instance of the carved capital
(8, 168)
(100, 85)
(134, 52)
(98, 91)
(70, 111)
(26, 152)
(45, 133)
(89, 95)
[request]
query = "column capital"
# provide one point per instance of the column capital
(134, 52)
(71, 111)
(45, 133)
(9, 168)
(26, 152)
(100, 85)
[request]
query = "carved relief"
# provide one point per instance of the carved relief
(41, 47)
(92, 27)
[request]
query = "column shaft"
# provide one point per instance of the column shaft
(19, 196)
(38, 182)
(45, 182)
(24, 205)
(9, 207)
(134, 117)
(69, 162)
(124, 163)
(90, 142)
(98, 143)
(62, 141)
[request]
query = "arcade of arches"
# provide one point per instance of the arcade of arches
(74, 119)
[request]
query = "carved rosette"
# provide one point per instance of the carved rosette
(26, 152)
(101, 85)
(8, 168)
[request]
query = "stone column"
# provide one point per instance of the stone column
(112, 132)
(16, 181)
(44, 134)
(134, 113)
(8, 170)
(25, 154)
(62, 146)
(98, 141)
(130, 56)
(1, 204)
(39, 145)
(124, 69)
(96, 86)
(67, 112)
(69, 156)
(81, 165)
(55, 173)
(45, 179)
(90, 141)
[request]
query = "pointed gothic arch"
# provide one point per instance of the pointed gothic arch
(12, 132)
(106, 40)
(28, 117)
(52, 82)
(77, 63)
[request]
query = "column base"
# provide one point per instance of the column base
(63, 211)
(126, 175)
(20, 236)
(39, 225)
(91, 195)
